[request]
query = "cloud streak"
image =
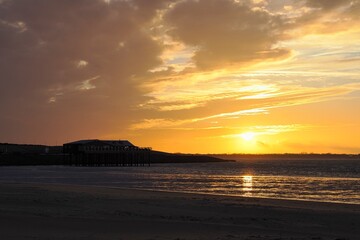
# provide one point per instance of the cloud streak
(262, 103)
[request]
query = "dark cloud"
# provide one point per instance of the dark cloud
(68, 65)
(353, 11)
(227, 32)
(329, 16)
(326, 4)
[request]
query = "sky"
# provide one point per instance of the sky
(192, 76)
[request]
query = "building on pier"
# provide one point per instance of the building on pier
(96, 152)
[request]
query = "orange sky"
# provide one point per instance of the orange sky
(205, 76)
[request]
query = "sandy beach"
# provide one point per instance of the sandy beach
(46, 211)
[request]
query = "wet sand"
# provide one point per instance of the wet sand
(49, 211)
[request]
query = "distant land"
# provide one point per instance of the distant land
(30, 154)
(286, 156)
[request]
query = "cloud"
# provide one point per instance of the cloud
(171, 123)
(328, 5)
(56, 51)
(324, 17)
(227, 32)
(267, 130)
(89, 68)
(257, 101)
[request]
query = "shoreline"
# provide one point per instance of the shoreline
(233, 195)
(190, 192)
(60, 211)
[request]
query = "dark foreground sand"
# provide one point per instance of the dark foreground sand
(30, 211)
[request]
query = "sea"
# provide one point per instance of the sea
(309, 180)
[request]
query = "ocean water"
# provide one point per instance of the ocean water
(320, 180)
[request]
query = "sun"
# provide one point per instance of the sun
(248, 136)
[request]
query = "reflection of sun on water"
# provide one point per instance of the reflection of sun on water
(247, 184)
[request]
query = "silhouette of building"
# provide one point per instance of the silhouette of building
(96, 152)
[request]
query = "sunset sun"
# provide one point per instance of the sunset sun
(248, 136)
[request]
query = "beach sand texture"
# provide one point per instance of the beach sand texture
(45, 211)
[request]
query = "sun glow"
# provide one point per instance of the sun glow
(248, 136)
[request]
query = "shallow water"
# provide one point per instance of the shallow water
(321, 180)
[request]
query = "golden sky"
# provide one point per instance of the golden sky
(195, 76)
